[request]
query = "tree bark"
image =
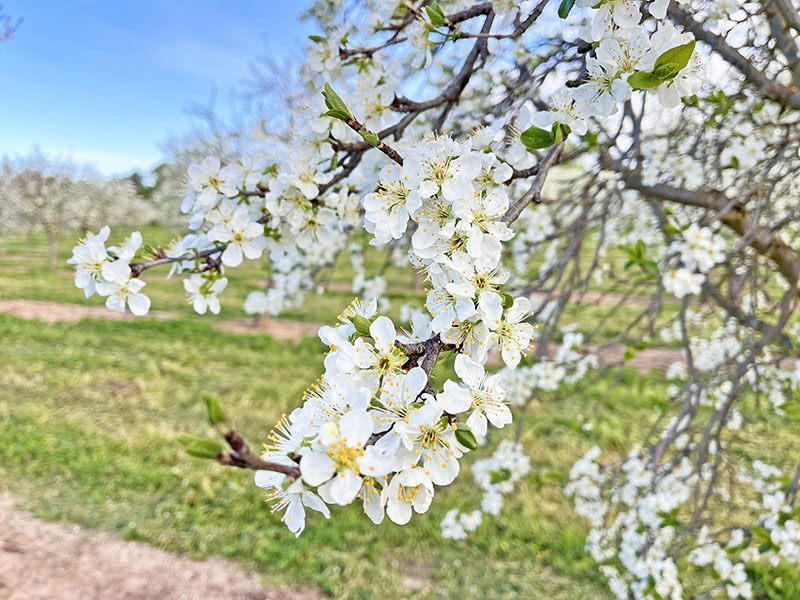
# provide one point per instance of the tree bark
(53, 250)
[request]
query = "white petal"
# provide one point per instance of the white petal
(477, 422)
(232, 257)
(414, 383)
(295, 516)
(314, 502)
(469, 371)
(399, 510)
(265, 479)
(344, 487)
(316, 468)
(139, 304)
(383, 332)
(454, 399)
(355, 426)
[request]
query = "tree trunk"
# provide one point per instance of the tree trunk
(53, 250)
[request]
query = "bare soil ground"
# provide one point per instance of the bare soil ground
(53, 312)
(280, 329)
(49, 561)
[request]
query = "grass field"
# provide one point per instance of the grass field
(89, 413)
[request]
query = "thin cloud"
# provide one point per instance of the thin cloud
(204, 59)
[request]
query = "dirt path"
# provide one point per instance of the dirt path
(281, 329)
(49, 561)
(54, 312)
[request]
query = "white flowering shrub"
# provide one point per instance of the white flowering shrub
(666, 135)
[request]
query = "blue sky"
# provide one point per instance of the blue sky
(105, 81)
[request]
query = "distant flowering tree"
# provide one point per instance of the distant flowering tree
(668, 133)
(54, 195)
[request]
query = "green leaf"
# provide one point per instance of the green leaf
(643, 81)
(215, 412)
(679, 57)
(317, 38)
(649, 266)
(371, 138)
(466, 438)
(435, 14)
(762, 535)
(557, 133)
(629, 353)
(565, 7)
(508, 300)
(338, 114)
(666, 71)
(534, 137)
(792, 410)
(361, 324)
(201, 448)
(734, 163)
(502, 474)
(336, 106)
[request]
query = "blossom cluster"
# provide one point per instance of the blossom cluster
(373, 429)
(624, 51)
(699, 249)
(639, 510)
(107, 271)
(632, 544)
(457, 242)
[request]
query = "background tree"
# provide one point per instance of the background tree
(54, 195)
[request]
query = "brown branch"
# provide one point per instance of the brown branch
(737, 313)
(521, 27)
(243, 458)
(534, 194)
(369, 51)
(453, 91)
(356, 126)
(137, 268)
(789, 13)
(469, 13)
(733, 214)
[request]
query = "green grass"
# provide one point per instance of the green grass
(90, 413)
